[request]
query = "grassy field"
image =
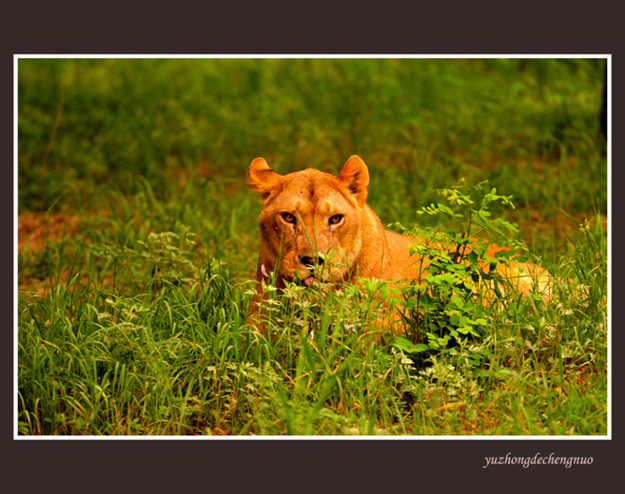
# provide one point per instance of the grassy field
(138, 239)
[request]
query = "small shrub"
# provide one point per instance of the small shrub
(460, 286)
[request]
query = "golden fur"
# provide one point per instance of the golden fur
(316, 225)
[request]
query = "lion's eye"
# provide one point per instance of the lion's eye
(336, 219)
(288, 217)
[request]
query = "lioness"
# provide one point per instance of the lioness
(315, 225)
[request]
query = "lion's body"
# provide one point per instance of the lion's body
(316, 225)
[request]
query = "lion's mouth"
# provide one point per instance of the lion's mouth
(320, 278)
(306, 281)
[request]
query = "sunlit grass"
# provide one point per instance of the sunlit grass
(133, 317)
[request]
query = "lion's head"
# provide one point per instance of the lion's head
(310, 221)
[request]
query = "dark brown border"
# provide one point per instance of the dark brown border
(354, 465)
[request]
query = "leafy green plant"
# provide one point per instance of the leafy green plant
(459, 284)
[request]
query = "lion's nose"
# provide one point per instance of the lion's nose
(311, 261)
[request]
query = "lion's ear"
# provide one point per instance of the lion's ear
(262, 178)
(355, 177)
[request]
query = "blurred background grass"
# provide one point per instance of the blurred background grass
(91, 131)
(138, 235)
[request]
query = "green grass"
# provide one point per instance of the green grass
(136, 321)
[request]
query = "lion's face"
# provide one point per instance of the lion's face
(310, 221)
